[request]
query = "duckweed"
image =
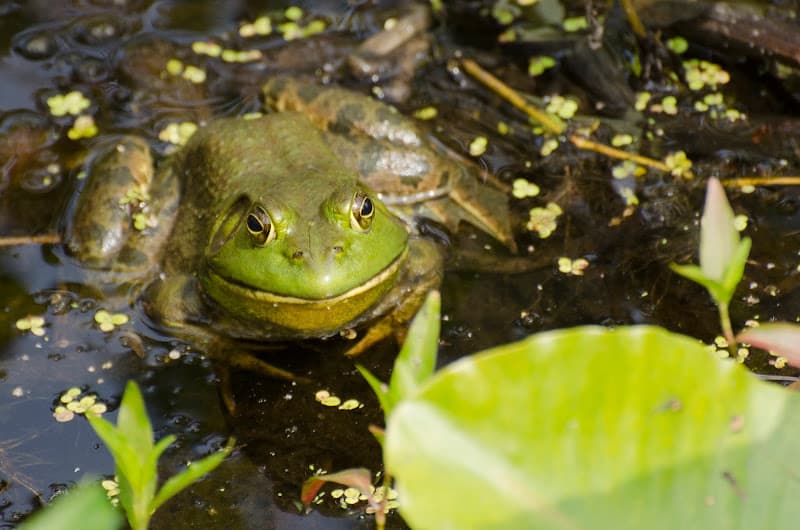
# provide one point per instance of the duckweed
(84, 127)
(627, 169)
(562, 107)
(293, 13)
(478, 146)
(522, 188)
(621, 140)
(572, 24)
(678, 45)
(543, 220)
(32, 323)
(70, 103)
(740, 222)
(241, 56)
(177, 133)
(548, 147)
(260, 26)
(539, 64)
(426, 113)
(212, 49)
(642, 99)
(678, 163)
(108, 321)
(73, 401)
(573, 267)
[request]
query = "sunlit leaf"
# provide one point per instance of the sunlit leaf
(590, 428)
(417, 358)
(380, 388)
(781, 338)
(735, 269)
(84, 508)
(718, 235)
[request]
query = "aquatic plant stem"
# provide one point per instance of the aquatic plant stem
(552, 123)
(633, 19)
(727, 328)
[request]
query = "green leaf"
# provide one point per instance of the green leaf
(133, 421)
(718, 235)
(590, 428)
(128, 461)
(191, 474)
(735, 269)
(417, 358)
(780, 338)
(694, 273)
(380, 388)
(84, 508)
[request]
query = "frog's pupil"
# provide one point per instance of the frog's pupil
(253, 224)
(366, 207)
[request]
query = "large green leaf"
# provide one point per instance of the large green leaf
(593, 429)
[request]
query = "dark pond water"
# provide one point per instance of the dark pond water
(115, 54)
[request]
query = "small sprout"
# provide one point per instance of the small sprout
(572, 24)
(621, 140)
(70, 103)
(539, 64)
(177, 133)
(84, 127)
(678, 163)
(548, 147)
(212, 49)
(194, 74)
(32, 323)
(678, 45)
(573, 267)
(478, 146)
(642, 99)
(543, 220)
(522, 188)
(107, 321)
(426, 113)
(293, 13)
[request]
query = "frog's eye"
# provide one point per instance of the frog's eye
(260, 226)
(362, 211)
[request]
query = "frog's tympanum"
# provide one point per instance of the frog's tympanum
(295, 225)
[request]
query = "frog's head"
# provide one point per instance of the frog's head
(308, 265)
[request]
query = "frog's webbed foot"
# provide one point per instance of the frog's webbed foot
(124, 213)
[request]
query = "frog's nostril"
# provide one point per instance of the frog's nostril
(298, 254)
(338, 249)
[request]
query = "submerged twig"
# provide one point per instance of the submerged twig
(591, 145)
(762, 181)
(633, 19)
(43, 239)
(552, 123)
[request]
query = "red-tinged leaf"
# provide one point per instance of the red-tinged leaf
(781, 338)
(357, 477)
(718, 236)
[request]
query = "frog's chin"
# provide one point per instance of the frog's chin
(310, 315)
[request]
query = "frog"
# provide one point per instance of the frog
(300, 224)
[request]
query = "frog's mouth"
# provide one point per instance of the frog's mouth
(256, 294)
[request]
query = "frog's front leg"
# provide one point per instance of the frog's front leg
(422, 274)
(123, 215)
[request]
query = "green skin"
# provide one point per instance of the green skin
(262, 232)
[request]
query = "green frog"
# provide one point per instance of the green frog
(295, 225)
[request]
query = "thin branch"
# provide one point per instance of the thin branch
(43, 239)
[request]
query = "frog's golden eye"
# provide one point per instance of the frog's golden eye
(260, 226)
(361, 212)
